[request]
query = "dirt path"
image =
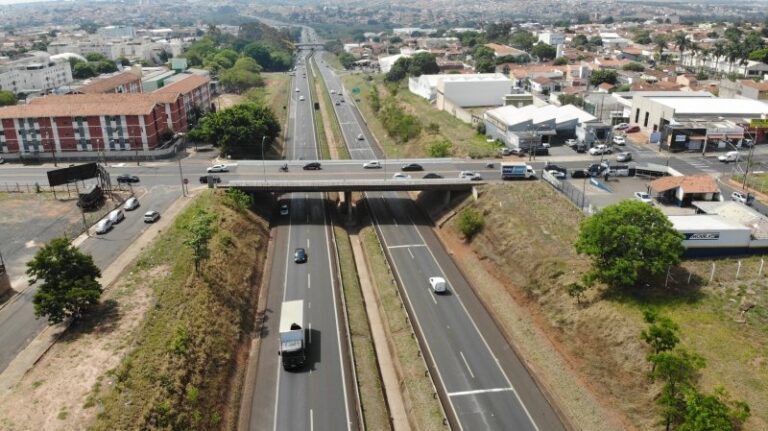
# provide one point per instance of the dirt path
(54, 394)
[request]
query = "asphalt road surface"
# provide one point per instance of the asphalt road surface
(484, 384)
(319, 396)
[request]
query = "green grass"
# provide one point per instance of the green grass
(368, 377)
(333, 61)
(326, 110)
(322, 141)
(276, 93)
(423, 408)
(194, 338)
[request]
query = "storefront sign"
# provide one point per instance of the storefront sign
(759, 123)
(705, 236)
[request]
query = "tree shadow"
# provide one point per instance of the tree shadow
(101, 320)
(678, 286)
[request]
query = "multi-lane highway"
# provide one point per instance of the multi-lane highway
(483, 383)
(319, 396)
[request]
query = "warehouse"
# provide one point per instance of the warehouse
(654, 113)
(725, 228)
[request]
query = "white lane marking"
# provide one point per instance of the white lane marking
(406, 246)
(311, 420)
(487, 346)
(466, 364)
(307, 242)
(309, 327)
(432, 295)
(309, 305)
(285, 288)
(411, 253)
(479, 391)
(309, 280)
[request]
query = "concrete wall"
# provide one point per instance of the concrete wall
(469, 94)
(648, 113)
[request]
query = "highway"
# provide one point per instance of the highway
(320, 396)
(482, 382)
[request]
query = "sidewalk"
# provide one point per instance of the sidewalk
(28, 357)
(383, 354)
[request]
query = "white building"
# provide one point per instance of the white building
(613, 40)
(37, 72)
(470, 90)
(552, 38)
(138, 49)
(518, 127)
(385, 63)
(117, 32)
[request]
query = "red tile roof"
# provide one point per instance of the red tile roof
(689, 184)
(104, 85)
(185, 85)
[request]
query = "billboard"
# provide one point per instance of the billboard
(85, 171)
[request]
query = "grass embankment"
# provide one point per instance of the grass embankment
(322, 140)
(329, 119)
(368, 377)
(332, 60)
(186, 368)
(466, 141)
(530, 228)
(423, 409)
(276, 92)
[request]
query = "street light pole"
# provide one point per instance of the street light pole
(263, 161)
(749, 160)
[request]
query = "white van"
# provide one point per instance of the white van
(438, 284)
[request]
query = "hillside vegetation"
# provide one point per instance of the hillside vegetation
(186, 367)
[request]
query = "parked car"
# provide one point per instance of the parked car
(373, 164)
(730, 156)
(297, 89)
(131, 204)
(553, 167)
(284, 210)
(634, 128)
(558, 174)
(312, 166)
(2, 160)
(469, 175)
(215, 179)
(438, 284)
(624, 156)
(116, 216)
(218, 168)
(103, 226)
(401, 176)
(621, 126)
(126, 178)
(412, 167)
(580, 173)
(300, 255)
(644, 197)
(619, 140)
(745, 198)
(599, 149)
(151, 216)
(432, 176)
(571, 142)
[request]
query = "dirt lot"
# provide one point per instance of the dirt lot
(520, 264)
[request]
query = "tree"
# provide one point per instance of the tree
(200, 231)
(440, 149)
(544, 52)
(240, 80)
(239, 130)
(423, 63)
(69, 281)
(485, 59)
(596, 40)
(680, 371)
(716, 412)
(105, 66)
(398, 71)
(470, 222)
(570, 99)
(634, 67)
(641, 36)
(661, 44)
(83, 70)
(395, 40)
(7, 98)
(347, 60)
(661, 334)
(260, 53)
(604, 75)
(522, 39)
(579, 41)
(576, 290)
(560, 61)
(759, 55)
(497, 32)
(628, 241)
(94, 57)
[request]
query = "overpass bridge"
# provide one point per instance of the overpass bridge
(310, 45)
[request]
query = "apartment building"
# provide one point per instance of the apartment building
(36, 72)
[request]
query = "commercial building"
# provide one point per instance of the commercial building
(102, 122)
(721, 229)
(469, 90)
(36, 72)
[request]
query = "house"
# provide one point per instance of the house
(506, 51)
(683, 190)
(745, 88)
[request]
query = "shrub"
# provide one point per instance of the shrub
(440, 149)
(470, 222)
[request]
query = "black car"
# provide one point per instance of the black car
(554, 167)
(412, 167)
(215, 179)
(312, 166)
(580, 173)
(300, 255)
(125, 178)
(431, 176)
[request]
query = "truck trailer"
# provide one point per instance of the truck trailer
(293, 347)
(516, 171)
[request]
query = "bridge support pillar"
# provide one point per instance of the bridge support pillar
(348, 201)
(447, 198)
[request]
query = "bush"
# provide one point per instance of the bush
(440, 149)
(470, 222)
(238, 199)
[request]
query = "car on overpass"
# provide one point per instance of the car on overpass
(469, 175)
(213, 179)
(401, 176)
(126, 178)
(432, 176)
(312, 166)
(411, 167)
(218, 168)
(373, 164)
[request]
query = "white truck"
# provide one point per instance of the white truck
(293, 347)
(516, 171)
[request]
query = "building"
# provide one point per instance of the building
(386, 62)
(552, 38)
(744, 88)
(117, 32)
(613, 40)
(36, 72)
(103, 122)
(468, 90)
(684, 190)
(122, 82)
(506, 51)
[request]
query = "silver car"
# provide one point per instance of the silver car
(103, 226)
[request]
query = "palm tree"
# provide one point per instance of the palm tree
(719, 51)
(682, 43)
(704, 55)
(695, 49)
(733, 52)
(661, 45)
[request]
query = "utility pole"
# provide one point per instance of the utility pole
(263, 161)
(749, 160)
(181, 177)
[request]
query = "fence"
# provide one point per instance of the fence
(65, 191)
(164, 152)
(717, 271)
(578, 197)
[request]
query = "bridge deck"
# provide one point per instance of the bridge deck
(285, 186)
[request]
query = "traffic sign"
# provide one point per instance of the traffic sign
(356, 90)
(186, 180)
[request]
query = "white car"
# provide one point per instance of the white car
(297, 89)
(333, 91)
(218, 168)
(438, 284)
(103, 226)
(571, 142)
(373, 164)
(360, 137)
(730, 156)
(621, 126)
(619, 140)
(643, 197)
(599, 149)
(301, 98)
(557, 174)
(131, 204)
(469, 175)
(151, 216)
(401, 176)
(742, 197)
(116, 216)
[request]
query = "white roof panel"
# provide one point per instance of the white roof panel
(713, 106)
